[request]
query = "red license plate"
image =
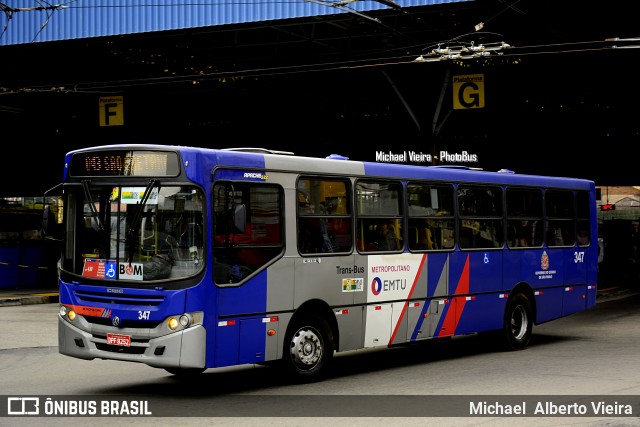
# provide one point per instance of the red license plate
(117, 339)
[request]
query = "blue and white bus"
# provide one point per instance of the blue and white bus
(188, 258)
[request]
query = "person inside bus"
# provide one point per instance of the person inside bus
(305, 207)
(517, 233)
(387, 238)
(486, 237)
(582, 237)
(556, 237)
(327, 244)
(426, 239)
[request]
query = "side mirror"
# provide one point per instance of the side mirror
(50, 228)
(48, 223)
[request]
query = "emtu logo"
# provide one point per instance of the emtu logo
(376, 286)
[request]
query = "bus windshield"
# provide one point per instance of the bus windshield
(137, 233)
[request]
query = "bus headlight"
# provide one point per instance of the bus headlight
(67, 312)
(172, 323)
(185, 320)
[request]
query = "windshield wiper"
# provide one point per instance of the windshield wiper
(136, 217)
(92, 206)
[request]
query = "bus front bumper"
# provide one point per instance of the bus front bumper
(182, 349)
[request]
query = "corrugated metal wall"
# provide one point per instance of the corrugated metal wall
(25, 21)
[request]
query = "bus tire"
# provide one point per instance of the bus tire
(309, 349)
(518, 322)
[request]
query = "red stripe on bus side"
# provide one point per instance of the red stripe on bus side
(454, 313)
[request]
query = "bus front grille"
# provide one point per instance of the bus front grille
(136, 324)
(115, 298)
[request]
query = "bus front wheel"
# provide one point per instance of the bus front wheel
(310, 349)
(518, 322)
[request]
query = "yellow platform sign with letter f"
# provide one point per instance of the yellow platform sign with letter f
(111, 110)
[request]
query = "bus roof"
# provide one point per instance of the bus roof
(275, 160)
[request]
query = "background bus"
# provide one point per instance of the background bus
(188, 258)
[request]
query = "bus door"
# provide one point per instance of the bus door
(558, 268)
(575, 279)
(577, 271)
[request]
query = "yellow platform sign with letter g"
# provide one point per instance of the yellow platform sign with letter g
(111, 110)
(468, 91)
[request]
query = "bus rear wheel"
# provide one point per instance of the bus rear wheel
(518, 322)
(309, 350)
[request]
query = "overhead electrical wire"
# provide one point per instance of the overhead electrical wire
(521, 51)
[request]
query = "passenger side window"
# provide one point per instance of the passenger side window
(560, 217)
(524, 218)
(324, 216)
(480, 217)
(431, 222)
(379, 207)
(583, 224)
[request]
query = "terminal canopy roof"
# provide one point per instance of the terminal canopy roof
(315, 77)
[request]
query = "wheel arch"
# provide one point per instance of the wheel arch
(320, 309)
(525, 289)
